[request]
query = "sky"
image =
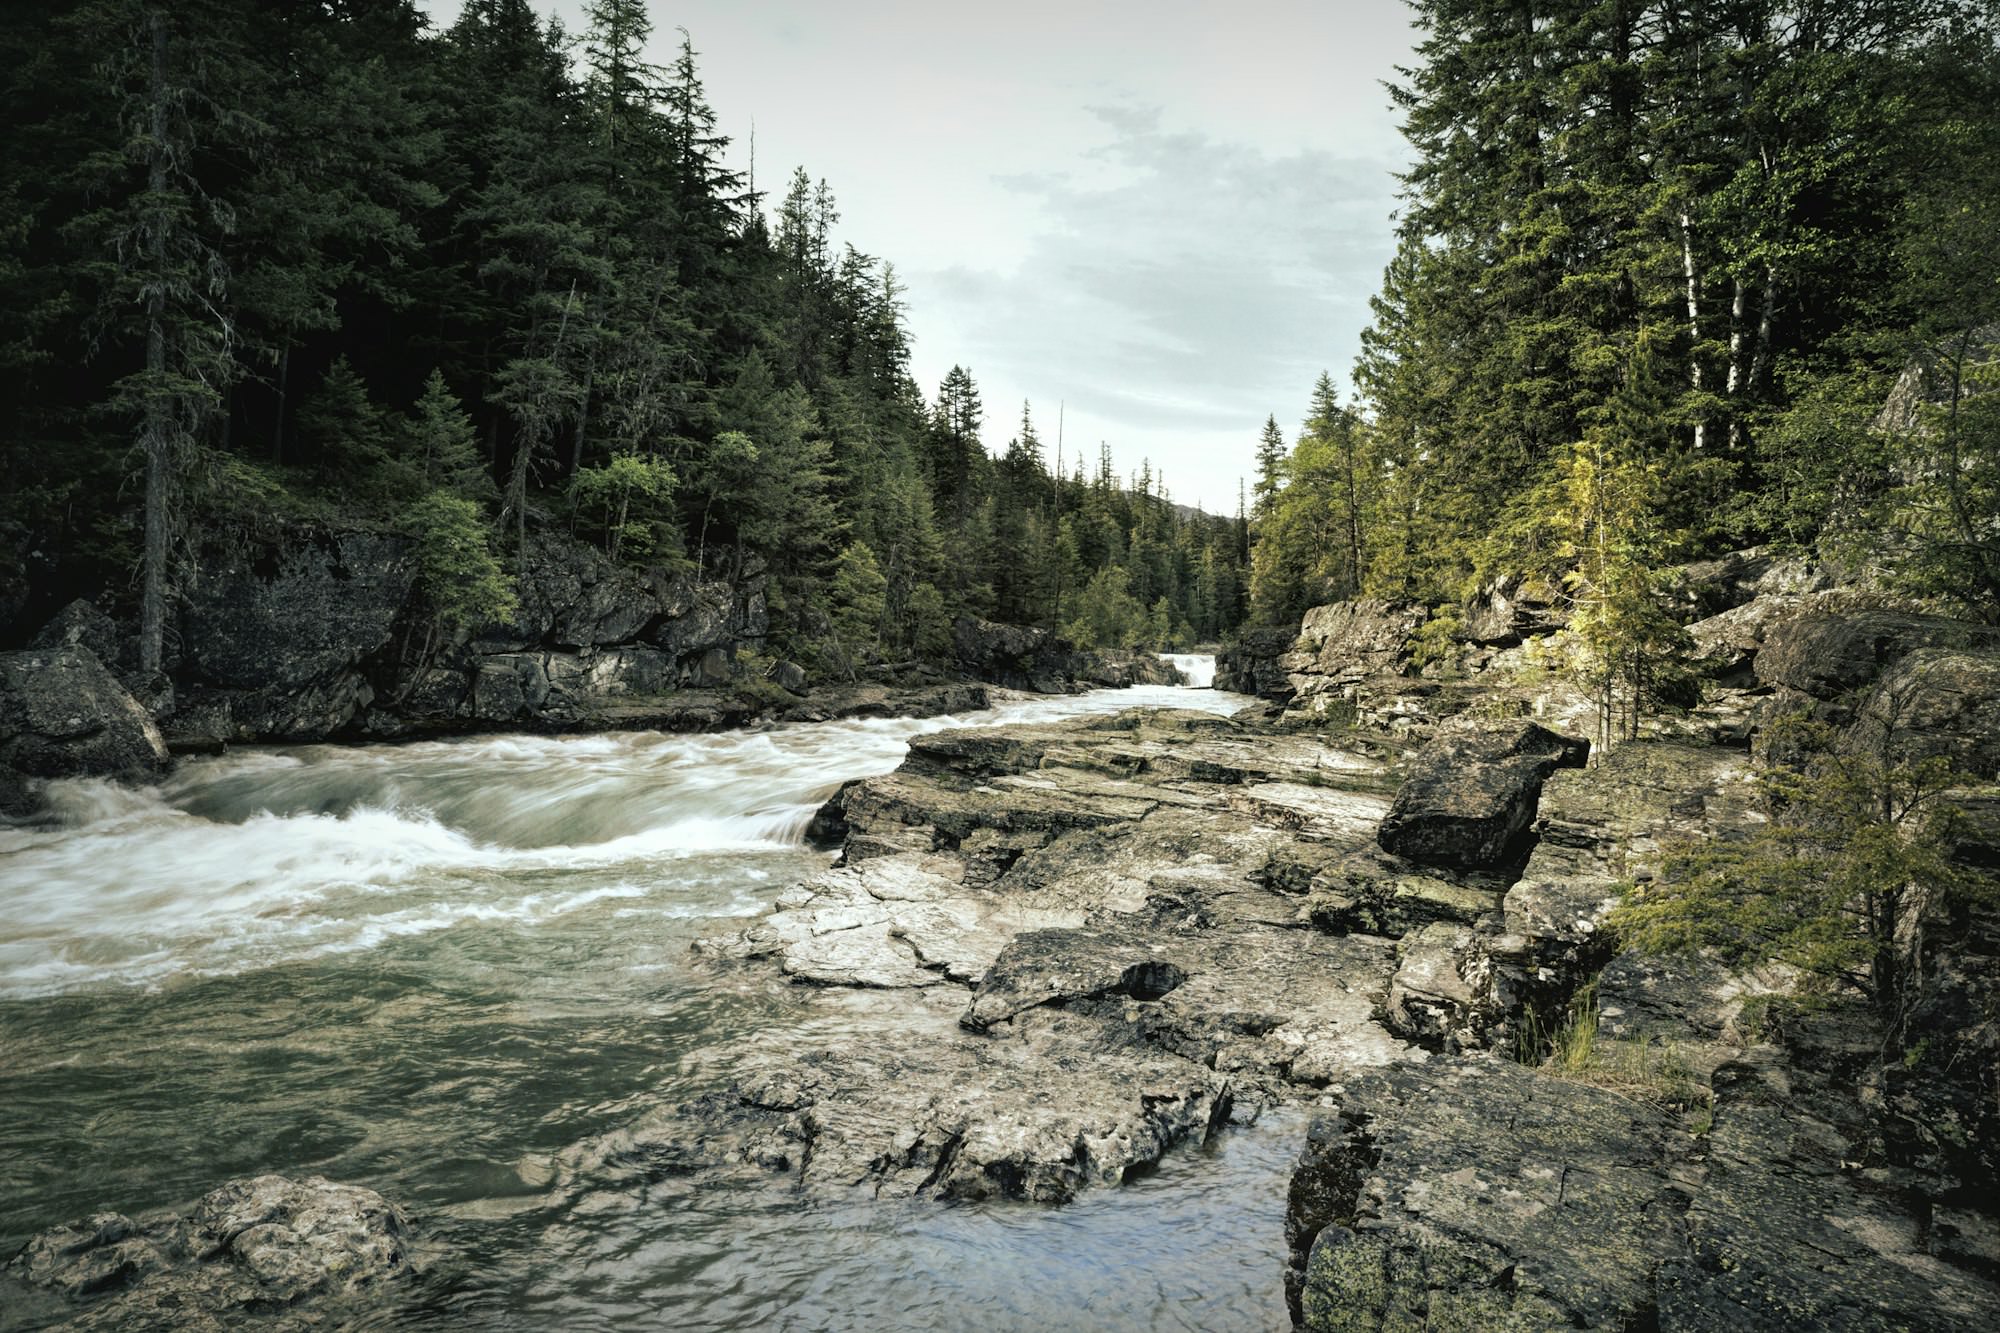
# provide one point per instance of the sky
(1158, 222)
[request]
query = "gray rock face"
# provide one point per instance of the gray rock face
(1509, 610)
(1344, 643)
(1468, 799)
(1249, 664)
(1484, 1194)
(82, 625)
(1415, 1209)
(1936, 701)
(253, 1247)
(1024, 658)
(62, 715)
(1712, 587)
(324, 608)
(1073, 954)
(1826, 655)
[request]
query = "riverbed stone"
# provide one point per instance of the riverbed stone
(259, 1246)
(1478, 1194)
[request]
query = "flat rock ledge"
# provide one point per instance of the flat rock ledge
(266, 1248)
(1047, 956)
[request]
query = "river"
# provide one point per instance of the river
(429, 968)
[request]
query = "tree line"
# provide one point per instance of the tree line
(277, 269)
(1659, 265)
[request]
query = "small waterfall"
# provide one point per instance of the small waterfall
(1198, 669)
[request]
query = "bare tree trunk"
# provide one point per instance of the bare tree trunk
(1760, 361)
(278, 421)
(1739, 304)
(582, 419)
(158, 429)
(1694, 321)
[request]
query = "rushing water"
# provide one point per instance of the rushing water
(430, 968)
(1197, 669)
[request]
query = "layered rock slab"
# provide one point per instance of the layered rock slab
(1091, 905)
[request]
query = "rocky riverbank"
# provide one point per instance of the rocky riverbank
(320, 641)
(1048, 955)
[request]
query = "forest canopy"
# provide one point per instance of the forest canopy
(1659, 266)
(284, 268)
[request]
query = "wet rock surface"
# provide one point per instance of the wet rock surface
(1080, 953)
(1088, 944)
(265, 1250)
(64, 715)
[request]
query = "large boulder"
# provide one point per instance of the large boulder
(700, 615)
(572, 596)
(319, 609)
(1025, 658)
(255, 1246)
(1016, 656)
(1509, 610)
(1344, 643)
(1468, 798)
(83, 625)
(1711, 587)
(1477, 1194)
(1482, 1194)
(63, 715)
(1936, 701)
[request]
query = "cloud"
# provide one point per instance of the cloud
(1177, 282)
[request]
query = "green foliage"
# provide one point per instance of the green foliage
(1647, 206)
(1437, 641)
(440, 447)
(1573, 1048)
(632, 496)
(1854, 855)
(1622, 644)
(1944, 503)
(858, 592)
(351, 439)
(459, 579)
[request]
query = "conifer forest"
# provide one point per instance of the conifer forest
(558, 770)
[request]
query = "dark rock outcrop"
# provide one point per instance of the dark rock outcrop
(1509, 610)
(1826, 655)
(322, 610)
(1022, 657)
(1484, 1194)
(83, 625)
(63, 715)
(267, 1246)
(1248, 664)
(317, 640)
(1936, 701)
(1469, 798)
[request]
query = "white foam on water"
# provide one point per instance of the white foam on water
(263, 856)
(1197, 669)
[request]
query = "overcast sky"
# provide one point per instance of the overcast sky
(1166, 217)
